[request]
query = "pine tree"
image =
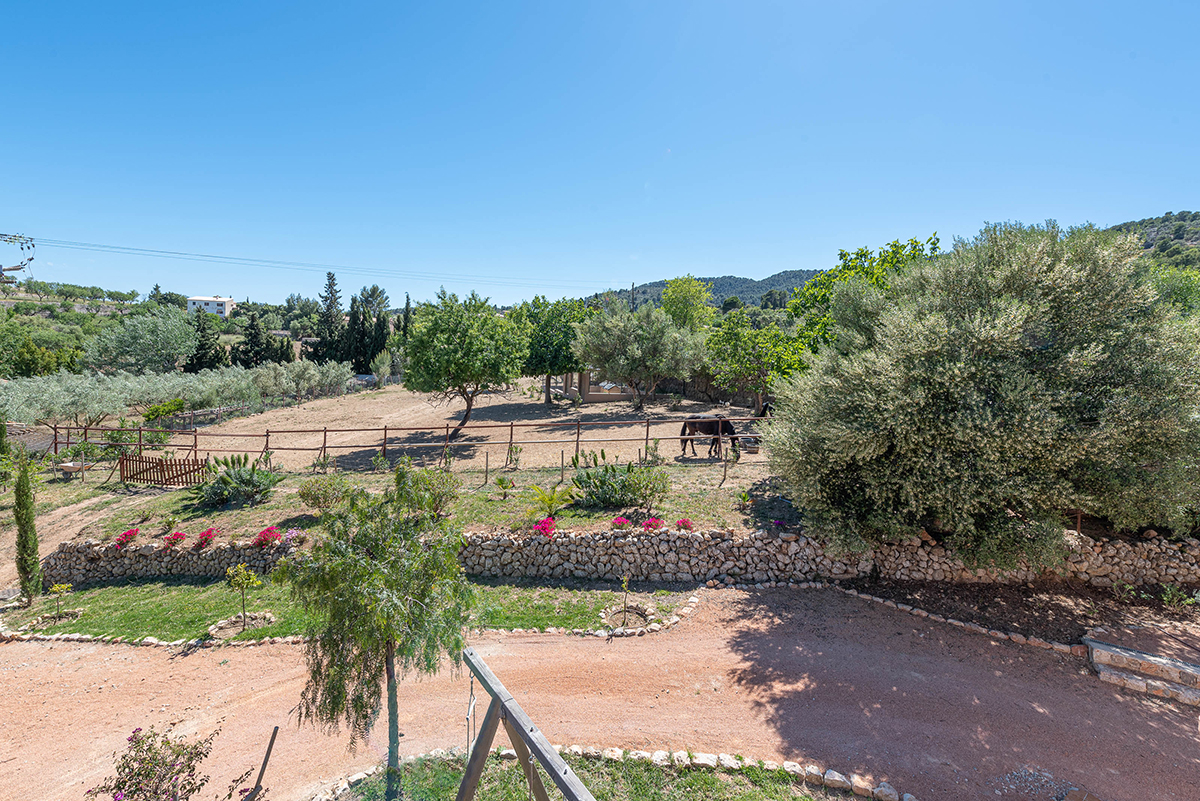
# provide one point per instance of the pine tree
(330, 324)
(210, 353)
(284, 353)
(406, 322)
(355, 342)
(29, 567)
(256, 347)
(379, 337)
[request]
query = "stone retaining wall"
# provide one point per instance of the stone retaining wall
(721, 557)
(81, 563)
(717, 557)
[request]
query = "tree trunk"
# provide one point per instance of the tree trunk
(758, 403)
(466, 416)
(394, 790)
(548, 399)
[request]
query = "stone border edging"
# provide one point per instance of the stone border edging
(811, 774)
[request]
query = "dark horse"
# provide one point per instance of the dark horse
(715, 427)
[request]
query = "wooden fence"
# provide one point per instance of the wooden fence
(155, 470)
(438, 441)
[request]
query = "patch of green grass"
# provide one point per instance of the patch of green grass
(433, 780)
(183, 608)
(168, 609)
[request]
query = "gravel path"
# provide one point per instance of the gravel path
(808, 675)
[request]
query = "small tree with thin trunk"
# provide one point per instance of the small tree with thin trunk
(391, 598)
(29, 567)
(462, 349)
(241, 579)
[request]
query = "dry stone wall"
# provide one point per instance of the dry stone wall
(81, 563)
(715, 556)
(758, 558)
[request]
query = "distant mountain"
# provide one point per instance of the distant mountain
(1173, 238)
(747, 289)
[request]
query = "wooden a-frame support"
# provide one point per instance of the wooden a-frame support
(527, 740)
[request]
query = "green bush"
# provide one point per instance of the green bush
(609, 486)
(985, 392)
(239, 483)
(324, 492)
(428, 490)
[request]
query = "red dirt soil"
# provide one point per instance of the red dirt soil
(787, 674)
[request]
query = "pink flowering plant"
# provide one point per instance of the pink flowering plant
(652, 524)
(156, 766)
(684, 524)
(205, 538)
(268, 537)
(174, 538)
(620, 524)
(125, 538)
(546, 527)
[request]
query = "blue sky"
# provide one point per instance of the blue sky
(567, 147)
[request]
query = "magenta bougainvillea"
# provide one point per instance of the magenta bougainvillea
(652, 524)
(268, 537)
(546, 527)
(205, 538)
(125, 538)
(620, 523)
(174, 538)
(684, 524)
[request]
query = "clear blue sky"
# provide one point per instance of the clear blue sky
(567, 147)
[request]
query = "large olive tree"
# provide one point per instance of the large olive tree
(988, 390)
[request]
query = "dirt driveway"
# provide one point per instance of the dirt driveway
(806, 675)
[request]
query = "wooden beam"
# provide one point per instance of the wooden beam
(479, 752)
(531, 773)
(559, 772)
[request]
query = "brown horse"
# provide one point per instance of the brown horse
(716, 427)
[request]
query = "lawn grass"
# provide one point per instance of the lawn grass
(179, 608)
(433, 779)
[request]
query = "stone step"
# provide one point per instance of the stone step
(1152, 666)
(1145, 684)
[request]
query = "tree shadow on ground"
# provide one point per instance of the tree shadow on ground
(858, 686)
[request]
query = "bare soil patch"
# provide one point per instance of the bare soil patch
(1054, 611)
(231, 627)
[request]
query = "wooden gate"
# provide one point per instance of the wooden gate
(171, 472)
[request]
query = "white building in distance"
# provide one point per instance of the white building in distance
(222, 307)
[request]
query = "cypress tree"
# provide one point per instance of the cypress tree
(330, 324)
(4, 449)
(357, 342)
(210, 353)
(29, 567)
(379, 337)
(406, 322)
(256, 348)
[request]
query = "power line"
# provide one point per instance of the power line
(301, 266)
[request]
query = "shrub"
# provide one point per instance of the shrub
(546, 528)
(612, 487)
(324, 492)
(29, 568)
(620, 524)
(550, 502)
(174, 538)
(984, 392)
(124, 538)
(267, 537)
(241, 482)
(651, 524)
(427, 490)
(684, 524)
(205, 538)
(155, 766)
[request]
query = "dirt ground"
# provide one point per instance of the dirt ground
(810, 675)
(553, 429)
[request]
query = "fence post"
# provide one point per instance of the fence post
(647, 437)
(139, 440)
(85, 435)
(485, 468)
(385, 442)
(446, 447)
(508, 455)
(267, 441)
(562, 466)
(578, 432)
(195, 442)
(55, 439)
(324, 442)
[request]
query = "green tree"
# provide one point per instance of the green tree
(241, 578)
(688, 302)
(983, 393)
(256, 347)
(156, 342)
(810, 303)
(386, 584)
(743, 358)
(637, 348)
(551, 328)
(462, 349)
(330, 324)
(773, 299)
(359, 338)
(374, 301)
(379, 335)
(210, 354)
(29, 566)
(732, 302)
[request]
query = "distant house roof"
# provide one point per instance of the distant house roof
(218, 297)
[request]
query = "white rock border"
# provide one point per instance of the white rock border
(808, 773)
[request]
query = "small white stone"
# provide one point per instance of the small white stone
(614, 754)
(681, 759)
(704, 760)
(885, 792)
(793, 768)
(729, 762)
(508, 753)
(661, 758)
(836, 780)
(638, 756)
